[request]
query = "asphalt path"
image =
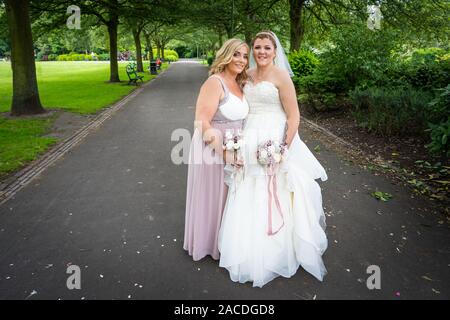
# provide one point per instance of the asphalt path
(114, 207)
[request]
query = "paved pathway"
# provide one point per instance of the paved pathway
(114, 206)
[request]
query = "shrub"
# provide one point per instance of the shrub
(303, 62)
(74, 57)
(167, 52)
(440, 137)
(357, 57)
(171, 57)
(439, 123)
(391, 111)
(427, 68)
(171, 52)
(103, 57)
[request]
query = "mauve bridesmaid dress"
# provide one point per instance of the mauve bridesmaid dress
(206, 191)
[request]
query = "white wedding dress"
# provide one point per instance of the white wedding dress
(246, 249)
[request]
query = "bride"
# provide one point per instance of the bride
(273, 222)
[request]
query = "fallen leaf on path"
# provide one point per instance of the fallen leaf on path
(383, 196)
(435, 291)
(31, 294)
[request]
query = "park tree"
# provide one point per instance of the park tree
(4, 37)
(25, 98)
(108, 13)
(149, 17)
(419, 17)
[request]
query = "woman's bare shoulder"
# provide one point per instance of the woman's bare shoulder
(280, 73)
(212, 83)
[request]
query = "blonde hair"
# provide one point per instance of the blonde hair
(224, 57)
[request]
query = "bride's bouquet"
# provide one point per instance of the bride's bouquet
(271, 153)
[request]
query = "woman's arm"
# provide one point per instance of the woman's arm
(207, 104)
(288, 98)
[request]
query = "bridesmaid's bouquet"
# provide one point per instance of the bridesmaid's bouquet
(232, 142)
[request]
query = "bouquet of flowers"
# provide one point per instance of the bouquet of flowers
(271, 153)
(232, 141)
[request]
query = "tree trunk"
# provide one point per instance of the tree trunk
(25, 98)
(158, 49)
(295, 17)
(248, 37)
(137, 42)
(229, 32)
(113, 64)
(148, 44)
(163, 46)
(151, 50)
(220, 38)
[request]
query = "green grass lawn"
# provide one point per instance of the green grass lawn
(74, 86)
(21, 141)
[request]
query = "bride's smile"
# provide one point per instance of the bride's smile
(264, 52)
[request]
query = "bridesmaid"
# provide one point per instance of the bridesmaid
(221, 105)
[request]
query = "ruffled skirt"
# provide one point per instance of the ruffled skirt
(246, 249)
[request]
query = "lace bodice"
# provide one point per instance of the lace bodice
(263, 98)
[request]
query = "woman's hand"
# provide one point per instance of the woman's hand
(230, 157)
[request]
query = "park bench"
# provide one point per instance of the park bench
(132, 74)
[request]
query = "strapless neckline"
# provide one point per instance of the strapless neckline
(261, 82)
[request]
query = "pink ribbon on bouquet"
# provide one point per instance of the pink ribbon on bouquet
(273, 183)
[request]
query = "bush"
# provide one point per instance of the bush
(303, 62)
(427, 68)
(391, 111)
(170, 57)
(103, 57)
(439, 123)
(324, 91)
(171, 52)
(74, 57)
(167, 52)
(358, 57)
(440, 137)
